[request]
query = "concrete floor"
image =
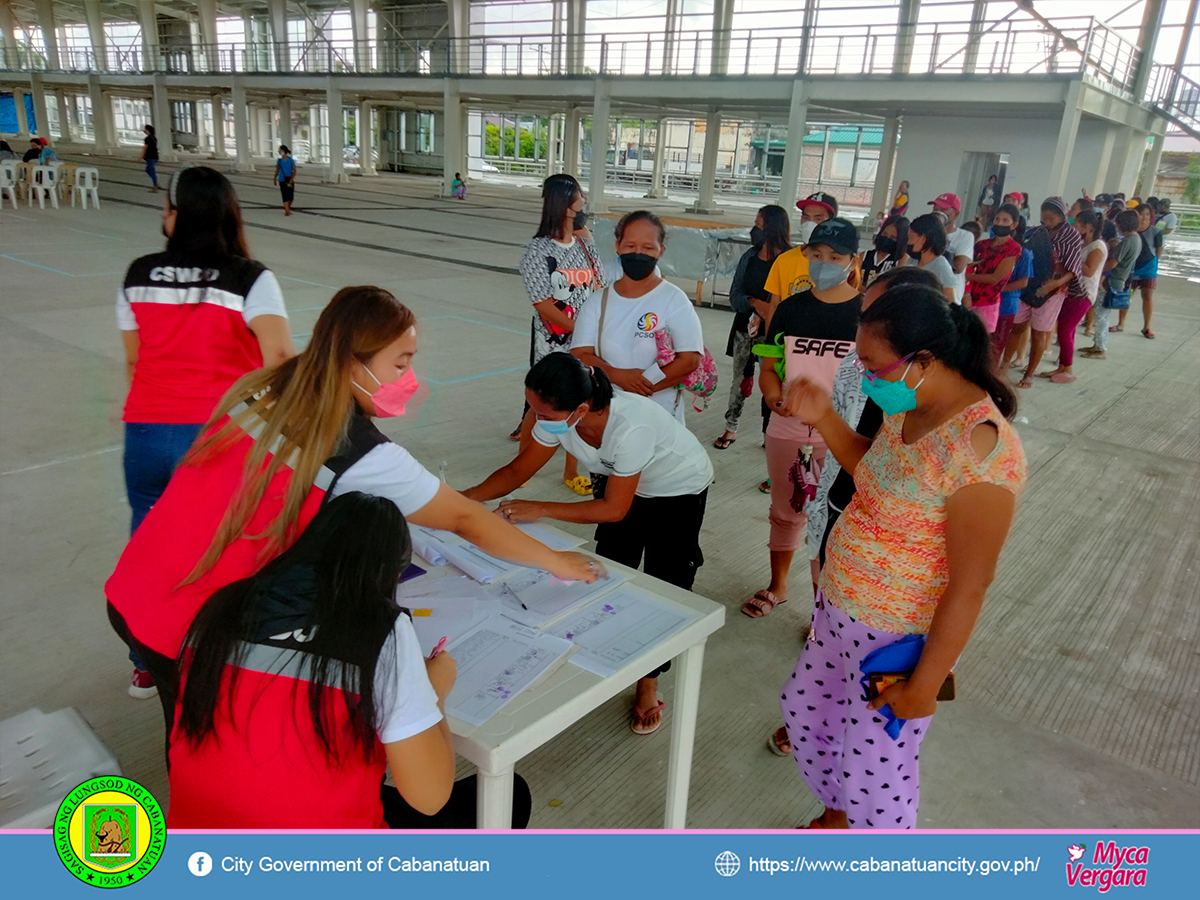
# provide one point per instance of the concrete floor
(1078, 693)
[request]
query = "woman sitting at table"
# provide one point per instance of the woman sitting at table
(301, 684)
(650, 478)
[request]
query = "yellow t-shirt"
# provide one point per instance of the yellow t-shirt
(789, 274)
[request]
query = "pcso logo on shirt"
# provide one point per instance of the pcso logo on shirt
(647, 323)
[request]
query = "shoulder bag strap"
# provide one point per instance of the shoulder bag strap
(600, 327)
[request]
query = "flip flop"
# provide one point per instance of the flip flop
(1025, 383)
(1113, 329)
(1147, 333)
(638, 725)
(1062, 378)
(765, 486)
(722, 442)
(773, 742)
(580, 484)
(762, 602)
(515, 434)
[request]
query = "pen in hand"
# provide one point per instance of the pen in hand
(441, 645)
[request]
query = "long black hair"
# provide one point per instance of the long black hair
(337, 585)
(558, 193)
(930, 227)
(777, 228)
(901, 225)
(565, 382)
(917, 320)
(208, 217)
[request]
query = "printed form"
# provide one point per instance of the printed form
(498, 659)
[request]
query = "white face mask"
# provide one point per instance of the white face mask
(806, 230)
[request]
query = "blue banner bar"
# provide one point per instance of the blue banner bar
(608, 865)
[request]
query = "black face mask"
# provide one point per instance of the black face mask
(581, 219)
(885, 244)
(638, 266)
(756, 236)
(1002, 230)
(913, 251)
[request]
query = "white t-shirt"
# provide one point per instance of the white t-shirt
(628, 341)
(263, 299)
(942, 269)
(388, 470)
(960, 242)
(640, 438)
(1092, 285)
(1170, 220)
(405, 701)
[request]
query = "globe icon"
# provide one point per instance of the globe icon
(728, 863)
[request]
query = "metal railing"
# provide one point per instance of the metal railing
(1009, 46)
(1177, 95)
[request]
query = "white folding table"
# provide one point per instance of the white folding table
(569, 693)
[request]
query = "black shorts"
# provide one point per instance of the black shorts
(287, 190)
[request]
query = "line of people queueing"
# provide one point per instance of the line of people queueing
(268, 626)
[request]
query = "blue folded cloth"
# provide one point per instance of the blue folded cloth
(901, 656)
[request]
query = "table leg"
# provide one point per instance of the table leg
(683, 734)
(494, 799)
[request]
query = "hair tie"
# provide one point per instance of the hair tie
(591, 371)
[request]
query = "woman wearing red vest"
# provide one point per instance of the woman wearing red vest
(282, 440)
(194, 319)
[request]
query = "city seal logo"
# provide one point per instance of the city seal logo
(110, 832)
(648, 322)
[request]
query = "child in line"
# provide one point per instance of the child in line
(1118, 268)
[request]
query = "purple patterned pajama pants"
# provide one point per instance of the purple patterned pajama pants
(848, 761)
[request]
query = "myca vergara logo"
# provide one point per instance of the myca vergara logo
(648, 322)
(110, 832)
(1110, 866)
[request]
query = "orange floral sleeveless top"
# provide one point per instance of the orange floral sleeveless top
(886, 564)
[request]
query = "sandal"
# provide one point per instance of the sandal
(722, 442)
(515, 434)
(1147, 333)
(765, 486)
(1025, 383)
(638, 725)
(1092, 353)
(1062, 378)
(580, 484)
(1114, 329)
(761, 604)
(1050, 374)
(775, 745)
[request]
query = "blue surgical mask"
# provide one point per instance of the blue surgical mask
(826, 275)
(893, 397)
(556, 426)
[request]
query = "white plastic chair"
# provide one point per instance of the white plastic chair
(43, 183)
(87, 178)
(8, 182)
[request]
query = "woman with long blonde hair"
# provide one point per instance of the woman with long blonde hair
(282, 441)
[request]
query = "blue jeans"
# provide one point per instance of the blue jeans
(150, 170)
(152, 450)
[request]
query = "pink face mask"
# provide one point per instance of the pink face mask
(391, 398)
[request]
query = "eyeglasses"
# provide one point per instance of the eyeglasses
(874, 376)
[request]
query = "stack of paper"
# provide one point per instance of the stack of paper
(534, 598)
(441, 547)
(498, 659)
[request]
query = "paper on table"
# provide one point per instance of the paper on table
(446, 607)
(545, 597)
(617, 627)
(497, 659)
(426, 545)
(553, 540)
(451, 548)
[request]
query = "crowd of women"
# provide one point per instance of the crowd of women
(270, 514)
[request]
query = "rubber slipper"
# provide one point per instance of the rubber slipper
(1062, 378)
(1147, 333)
(773, 742)
(759, 603)
(515, 434)
(1044, 374)
(1025, 383)
(765, 486)
(722, 443)
(580, 484)
(1115, 329)
(638, 725)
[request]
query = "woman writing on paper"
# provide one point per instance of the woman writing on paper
(654, 490)
(281, 440)
(302, 683)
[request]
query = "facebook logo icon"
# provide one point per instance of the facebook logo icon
(200, 864)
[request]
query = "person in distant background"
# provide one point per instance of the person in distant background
(458, 187)
(285, 174)
(150, 155)
(35, 147)
(47, 155)
(1167, 220)
(6, 152)
(900, 204)
(987, 202)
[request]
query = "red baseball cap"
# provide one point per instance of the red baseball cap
(826, 201)
(946, 201)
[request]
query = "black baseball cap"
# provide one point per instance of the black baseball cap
(836, 234)
(1103, 199)
(820, 198)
